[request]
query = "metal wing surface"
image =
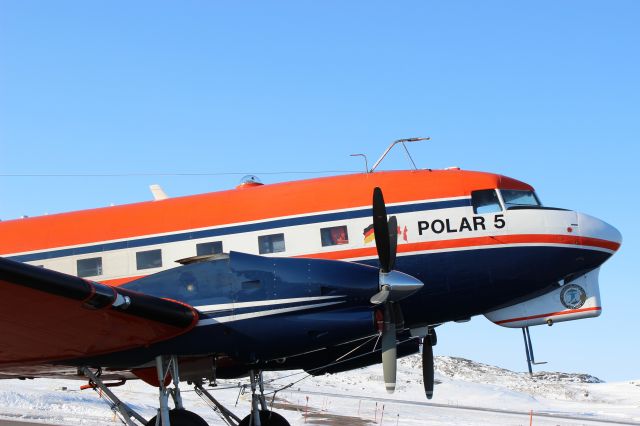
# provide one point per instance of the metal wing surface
(47, 317)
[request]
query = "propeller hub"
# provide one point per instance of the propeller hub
(395, 286)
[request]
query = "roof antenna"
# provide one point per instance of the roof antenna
(157, 192)
(402, 141)
(366, 163)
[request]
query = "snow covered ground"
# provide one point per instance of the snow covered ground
(465, 388)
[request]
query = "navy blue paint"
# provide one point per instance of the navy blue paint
(237, 229)
(247, 278)
(270, 336)
(458, 284)
(461, 284)
(263, 338)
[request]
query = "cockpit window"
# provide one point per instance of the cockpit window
(485, 201)
(518, 198)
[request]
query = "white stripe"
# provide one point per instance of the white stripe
(234, 224)
(232, 318)
(226, 306)
(484, 247)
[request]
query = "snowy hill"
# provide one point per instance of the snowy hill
(545, 384)
(358, 397)
(464, 369)
(462, 382)
(453, 369)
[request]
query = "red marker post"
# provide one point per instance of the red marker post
(306, 409)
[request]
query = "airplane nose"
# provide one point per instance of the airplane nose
(591, 227)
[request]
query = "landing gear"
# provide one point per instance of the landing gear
(181, 417)
(227, 416)
(166, 366)
(168, 373)
(260, 414)
(267, 418)
(165, 417)
(126, 414)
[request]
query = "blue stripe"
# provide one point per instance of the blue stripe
(237, 229)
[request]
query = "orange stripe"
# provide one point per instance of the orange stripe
(470, 242)
(236, 206)
(120, 281)
(551, 314)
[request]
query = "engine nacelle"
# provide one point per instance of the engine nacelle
(575, 300)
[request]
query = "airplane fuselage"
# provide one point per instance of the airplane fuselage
(478, 241)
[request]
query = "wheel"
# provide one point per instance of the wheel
(267, 418)
(181, 418)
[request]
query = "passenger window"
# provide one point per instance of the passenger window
(334, 236)
(485, 201)
(89, 267)
(205, 249)
(271, 243)
(149, 259)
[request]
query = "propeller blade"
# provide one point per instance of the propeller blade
(398, 316)
(394, 286)
(427, 367)
(381, 230)
(393, 241)
(381, 296)
(389, 355)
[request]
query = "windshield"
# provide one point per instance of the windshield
(516, 197)
(485, 201)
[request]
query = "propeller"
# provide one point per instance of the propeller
(428, 343)
(394, 285)
(382, 232)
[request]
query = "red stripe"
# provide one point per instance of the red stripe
(439, 245)
(551, 314)
(597, 242)
(472, 242)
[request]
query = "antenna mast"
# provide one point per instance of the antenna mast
(402, 141)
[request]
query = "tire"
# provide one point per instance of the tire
(267, 418)
(181, 418)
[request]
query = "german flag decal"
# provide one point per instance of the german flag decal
(368, 234)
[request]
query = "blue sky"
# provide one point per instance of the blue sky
(547, 92)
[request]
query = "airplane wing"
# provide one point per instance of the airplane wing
(48, 316)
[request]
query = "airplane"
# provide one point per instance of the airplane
(324, 275)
